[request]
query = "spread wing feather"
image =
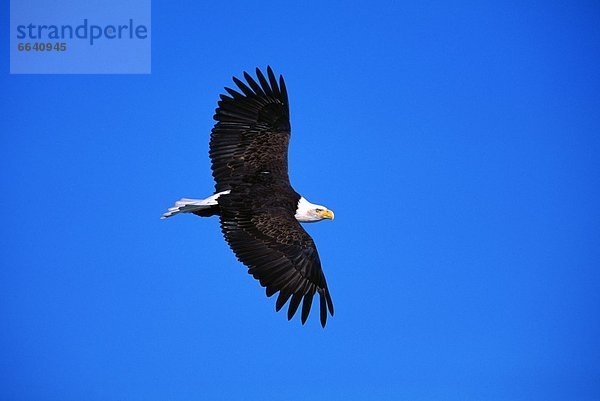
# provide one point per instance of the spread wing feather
(278, 252)
(252, 131)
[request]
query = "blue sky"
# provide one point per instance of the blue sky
(457, 144)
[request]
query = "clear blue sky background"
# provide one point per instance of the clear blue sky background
(458, 145)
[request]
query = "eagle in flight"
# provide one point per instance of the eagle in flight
(260, 212)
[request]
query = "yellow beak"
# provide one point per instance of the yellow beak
(327, 214)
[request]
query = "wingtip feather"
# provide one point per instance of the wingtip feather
(282, 299)
(323, 309)
(294, 303)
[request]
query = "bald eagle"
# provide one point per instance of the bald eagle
(260, 212)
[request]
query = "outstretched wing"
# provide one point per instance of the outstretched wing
(257, 220)
(253, 131)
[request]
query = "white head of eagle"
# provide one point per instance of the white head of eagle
(309, 212)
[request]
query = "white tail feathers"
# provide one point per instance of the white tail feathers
(186, 205)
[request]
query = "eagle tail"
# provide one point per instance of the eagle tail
(201, 207)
